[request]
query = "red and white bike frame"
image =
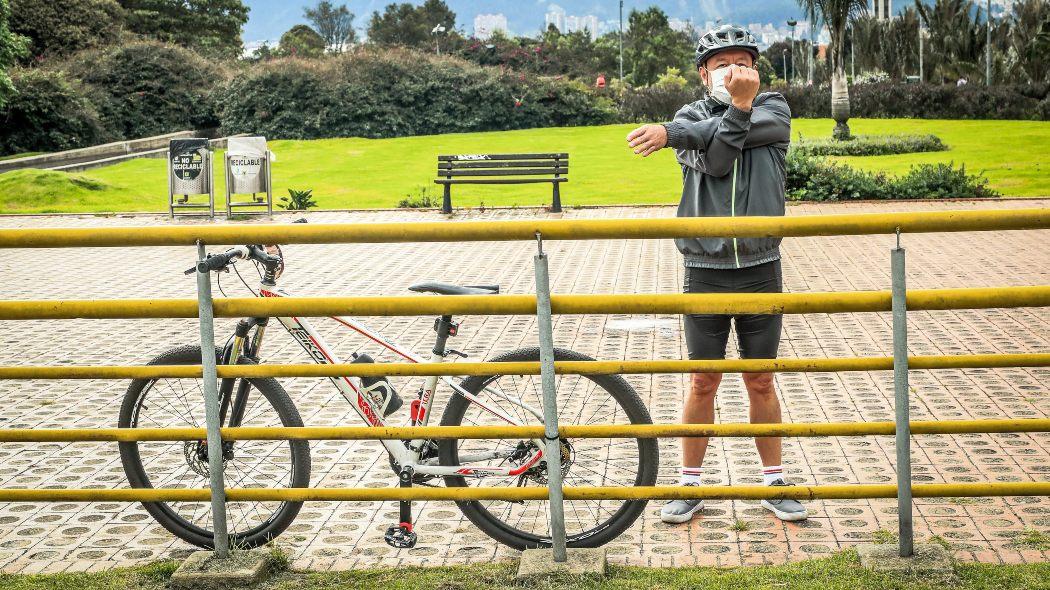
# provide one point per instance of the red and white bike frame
(410, 455)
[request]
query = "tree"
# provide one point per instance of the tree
(405, 24)
(836, 14)
(334, 25)
(57, 29)
(12, 48)
(956, 45)
(651, 46)
(1030, 39)
(210, 26)
(302, 41)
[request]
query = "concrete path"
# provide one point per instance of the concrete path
(77, 537)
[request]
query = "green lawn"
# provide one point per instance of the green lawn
(366, 173)
(839, 572)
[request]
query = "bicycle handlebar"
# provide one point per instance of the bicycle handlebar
(217, 262)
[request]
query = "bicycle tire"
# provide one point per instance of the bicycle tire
(493, 526)
(169, 518)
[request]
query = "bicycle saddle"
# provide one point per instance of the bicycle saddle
(446, 289)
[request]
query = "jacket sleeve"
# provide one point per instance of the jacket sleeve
(770, 124)
(718, 140)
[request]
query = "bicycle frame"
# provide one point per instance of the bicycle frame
(410, 454)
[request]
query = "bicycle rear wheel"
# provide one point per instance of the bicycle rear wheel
(595, 399)
(179, 403)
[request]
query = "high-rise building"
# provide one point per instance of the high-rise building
(882, 9)
(487, 24)
(555, 16)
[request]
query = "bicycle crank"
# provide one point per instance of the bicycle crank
(401, 535)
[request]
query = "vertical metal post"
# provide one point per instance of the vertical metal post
(620, 37)
(211, 406)
(552, 449)
(901, 401)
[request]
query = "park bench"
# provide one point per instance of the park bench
(502, 169)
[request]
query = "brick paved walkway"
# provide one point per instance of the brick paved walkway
(56, 537)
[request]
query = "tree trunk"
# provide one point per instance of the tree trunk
(839, 88)
(840, 104)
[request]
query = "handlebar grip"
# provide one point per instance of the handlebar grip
(214, 262)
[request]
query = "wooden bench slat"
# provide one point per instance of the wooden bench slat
(499, 180)
(508, 172)
(484, 157)
(501, 164)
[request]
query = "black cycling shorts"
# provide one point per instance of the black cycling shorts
(758, 336)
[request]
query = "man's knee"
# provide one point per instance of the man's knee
(759, 383)
(704, 385)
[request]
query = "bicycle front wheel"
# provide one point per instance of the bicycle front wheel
(179, 403)
(582, 399)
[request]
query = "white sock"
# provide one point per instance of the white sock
(772, 473)
(689, 475)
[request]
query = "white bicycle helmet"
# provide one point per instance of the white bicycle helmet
(723, 38)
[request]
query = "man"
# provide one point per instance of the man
(732, 148)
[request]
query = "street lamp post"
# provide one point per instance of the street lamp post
(784, 58)
(988, 44)
(921, 76)
(621, 43)
(436, 31)
(791, 23)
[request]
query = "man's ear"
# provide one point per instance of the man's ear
(703, 74)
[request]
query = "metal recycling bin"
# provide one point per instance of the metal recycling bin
(189, 175)
(248, 172)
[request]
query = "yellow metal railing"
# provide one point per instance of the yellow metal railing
(825, 225)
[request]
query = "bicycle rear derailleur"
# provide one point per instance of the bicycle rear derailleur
(400, 535)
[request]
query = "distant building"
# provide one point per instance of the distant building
(555, 16)
(882, 9)
(587, 22)
(487, 24)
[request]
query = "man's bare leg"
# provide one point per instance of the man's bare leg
(699, 409)
(765, 409)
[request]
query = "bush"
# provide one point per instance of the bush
(146, 88)
(870, 145)
(924, 101)
(942, 181)
(48, 113)
(656, 103)
(813, 178)
(61, 28)
(390, 93)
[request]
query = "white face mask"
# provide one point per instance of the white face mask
(718, 86)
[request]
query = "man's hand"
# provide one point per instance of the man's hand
(742, 84)
(647, 139)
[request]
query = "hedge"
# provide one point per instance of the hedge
(925, 101)
(48, 112)
(813, 178)
(145, 88)
(392, 93)
(870, 145)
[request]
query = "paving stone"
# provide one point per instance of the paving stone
(349, 535)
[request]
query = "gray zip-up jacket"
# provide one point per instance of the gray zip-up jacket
(733, 164)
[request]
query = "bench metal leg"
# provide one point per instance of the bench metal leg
(556, 203)
(446, 199)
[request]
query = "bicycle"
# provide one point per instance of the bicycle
(475, 400)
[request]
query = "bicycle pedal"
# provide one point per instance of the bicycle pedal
(400, 536)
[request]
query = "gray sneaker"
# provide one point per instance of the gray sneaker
(679, 511)
(789, 510)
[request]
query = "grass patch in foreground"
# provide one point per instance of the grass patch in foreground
(838, 572)
(355, 173)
